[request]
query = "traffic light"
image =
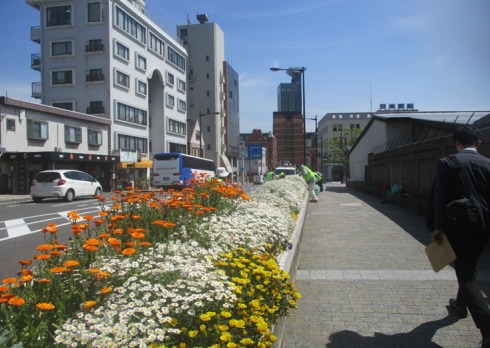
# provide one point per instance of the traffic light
(311, 155)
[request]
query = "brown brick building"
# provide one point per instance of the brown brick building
(289, 132)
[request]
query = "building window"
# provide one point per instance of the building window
(357, 116)
(340, 116)
(231, 94)
(175, 58)
(64, 77)
(140, 62)
(64, 105)
(209, 129)
(157, 45)
(170, 100)
(198, 135)
(207, 58)
(207, 76)
(182, 105)
(95, 75)
(94, 137)
(351, 126)
(37, 130)
(334, 127)
(368, 116)
(93, 12)
(207, 93)
(131, 114)
(176, 127)
(178, 148)
(128, 142)
(358, 125)
(122, 79)
(10, 125)
(130, 26)
(209, 146)
(56, 16)
(94, 46)
(141, 87)
(73, 134)
(181, 85)
(333, 116)
(340, 128)
(122, 51)
(170, 79)
(61, 48)
(96, 107)
(351, 116)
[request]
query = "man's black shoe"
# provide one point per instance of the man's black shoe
(461, 311)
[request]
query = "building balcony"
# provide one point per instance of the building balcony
(95, 78)
(190, 77)
(95, 110)
(36, 34)
(94, 48)
(36, 61)
(36, 90)
(223, 130)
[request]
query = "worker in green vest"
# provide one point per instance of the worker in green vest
(270, 176)
(310, 179)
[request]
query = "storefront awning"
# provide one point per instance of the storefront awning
(58, 156)
(142, 164)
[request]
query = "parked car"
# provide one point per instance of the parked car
(66, 184)
(286, 170)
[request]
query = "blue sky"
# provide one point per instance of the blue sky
(433, 53)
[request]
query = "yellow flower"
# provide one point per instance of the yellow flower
(202, 328)
(231, 345)
(242, 306)
(211, 314)
(296, 295)
(173, 322)
(223, 328)
(246, 341)
(225, 337)
(225, 314)
(182, 345)
(193, 333)
(205, 317)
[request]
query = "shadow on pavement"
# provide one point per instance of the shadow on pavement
(421, 336)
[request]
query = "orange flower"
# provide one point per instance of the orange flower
(9, 280)
(16, 301)
(102, 199)
(52, 230)
(89, 304)
(102, 213)
(26, 262)
(3, 288)
(93, 270)
(56, 253)
(7, 296)
(169, 224)
(105, 291)
(89, 247)
(25, 272)
(136, 217)
(74, 217)
(138, 235)
(59, 246)
(43, 281)
(92, 241)
(58, 270)
(44, 230)
(158, 222)
(99, 222)
(129, 244)
(71, 264)
(128, 251)
(118, 231)
(47, 306)
(26, 279)
(245, 197)
(52, 225)
(145, 243)
(104, 235)
(2, 300)
(88, 217)
(44, 247)
(72, 213)
(113, 241)
(76, 230)
(43, 257)
(104, 274)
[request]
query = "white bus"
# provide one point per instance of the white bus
(173, 169)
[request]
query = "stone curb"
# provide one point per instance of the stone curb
(288, 261)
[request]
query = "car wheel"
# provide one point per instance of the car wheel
(37, 199)
(98, 191)
(69, 195)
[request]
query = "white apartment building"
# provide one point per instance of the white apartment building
(107, 58)
(206, 93)
(36, 137)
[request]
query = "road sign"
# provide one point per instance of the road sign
(254, 151)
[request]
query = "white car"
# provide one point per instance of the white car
(66, 184)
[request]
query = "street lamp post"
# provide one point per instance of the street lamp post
(316, 141)
(291, 71)
(200, 130)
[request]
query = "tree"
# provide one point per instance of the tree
(337, 149)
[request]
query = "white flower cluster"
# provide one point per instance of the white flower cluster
(179, 279)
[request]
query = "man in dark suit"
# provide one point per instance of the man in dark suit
(468, 242)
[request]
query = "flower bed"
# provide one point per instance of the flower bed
(195, 268)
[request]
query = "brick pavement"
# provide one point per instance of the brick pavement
(366, 281)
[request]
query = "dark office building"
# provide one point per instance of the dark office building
(289, 94)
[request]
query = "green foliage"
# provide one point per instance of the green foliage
(337, 150)
(5, 337)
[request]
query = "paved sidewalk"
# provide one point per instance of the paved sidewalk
(366, 281)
